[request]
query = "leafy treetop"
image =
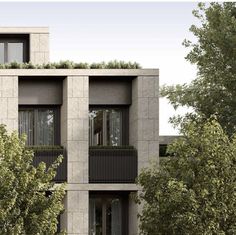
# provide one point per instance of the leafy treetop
(194, 191)
(29, 200)
(214, 54)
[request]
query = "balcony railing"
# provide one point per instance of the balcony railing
(49, 156)
(112, 165)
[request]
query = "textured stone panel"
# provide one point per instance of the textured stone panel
(3, 108)
(8, 86)
(144, 129)
(34, 42)
(143, 107)
(9, 102)
(148, 129)
(39, 48)
(12, 108)
(148, 87)
(73, 108)
(153, 149)
(83, 108)
(78, 87)
(77, 129)
(39, 58)
(75, 124)
(153, 107)
(43, 43)
(77, 212)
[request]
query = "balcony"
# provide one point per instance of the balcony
(112, 165)
(49, 156)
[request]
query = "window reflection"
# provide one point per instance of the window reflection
(113, 127)
(15, 52)
(105, 216)
(105, 127)
(113, 217)
(45, 127)
(96, 127)
(95, 216)
(26, 125)
(39, 125)
(14, 48)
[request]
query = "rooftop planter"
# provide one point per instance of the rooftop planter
(71, 65)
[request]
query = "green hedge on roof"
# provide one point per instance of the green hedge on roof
(72, 65)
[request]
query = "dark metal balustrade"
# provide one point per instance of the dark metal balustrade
(49, 156)
(112, 165)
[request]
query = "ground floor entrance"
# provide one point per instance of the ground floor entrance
(108, 213)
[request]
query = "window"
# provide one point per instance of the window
(106, 126)
(108, 214)
(15, 51)
(13, 48)
(41, 125)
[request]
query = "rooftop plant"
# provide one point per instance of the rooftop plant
(115, 64)
(44, 147)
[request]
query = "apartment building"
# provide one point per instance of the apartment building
(104, 122)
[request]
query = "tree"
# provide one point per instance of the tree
(28, 205)
(214, 53)
(193, 192)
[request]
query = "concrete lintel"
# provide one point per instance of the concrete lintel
(79, 72)
(20, 30)
(103, 187)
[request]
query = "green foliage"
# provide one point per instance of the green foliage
(193, 192)
(71, 65)
(214, 54)
(24, 206)
(44, 147)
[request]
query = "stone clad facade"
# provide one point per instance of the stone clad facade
(9, 101)
(140, 114)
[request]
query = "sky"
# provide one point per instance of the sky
(150, 33)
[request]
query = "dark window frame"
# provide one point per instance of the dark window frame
(125, 120)
(12, 38)
(35, 108)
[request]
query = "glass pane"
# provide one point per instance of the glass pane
(1, 53)
(113, 127)
(95, 216)
(15, 52)
(113, 217)
(26, 125)
(45, 127)
(96, 127)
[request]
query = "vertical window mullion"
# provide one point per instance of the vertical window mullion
(121, 129)
(5, 52)
(104, 123)
(104, 219)
(35, 127)
(92, 141)
(25, 59)
(56, 126)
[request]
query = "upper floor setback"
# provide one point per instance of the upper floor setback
(24, 44)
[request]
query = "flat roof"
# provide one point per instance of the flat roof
(79, 72)
(22, 30)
